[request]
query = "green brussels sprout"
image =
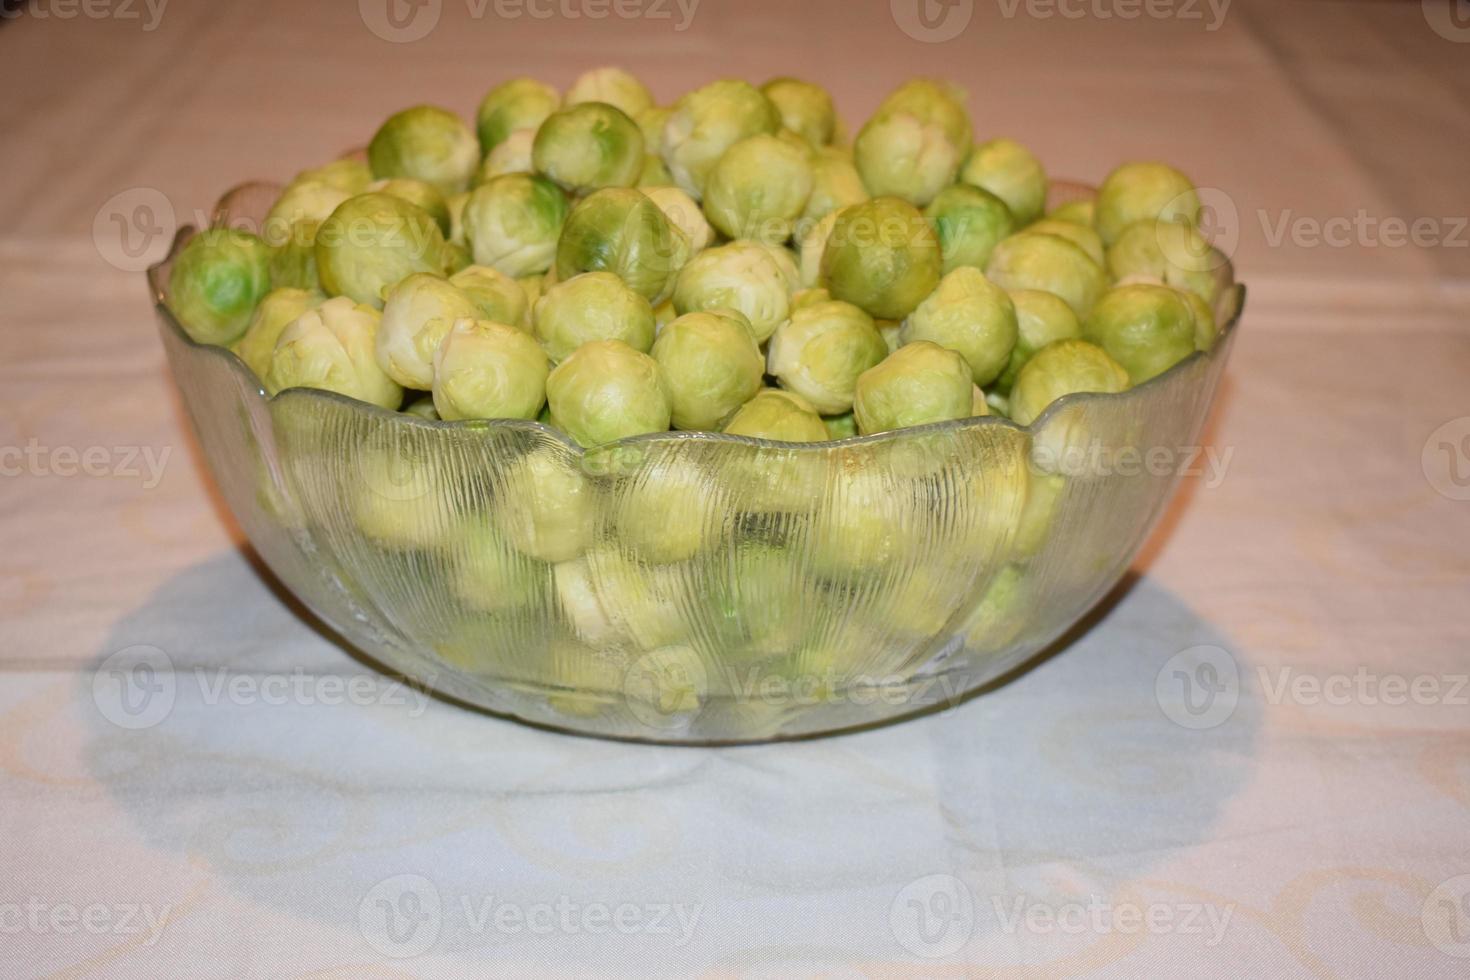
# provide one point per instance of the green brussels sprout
(1048, 263)
(1146, 328)
(546, 508)
(969, 223)
(589, 146)
(497, 297)
(514, 155)
(1172, 252)
(969, 314)
(740, 276)
(426, 143)
(490, 576)
(612, 86)
(809, 297)
(820, 352)
(707, 122)
(902, 155)
(683, 214)
(1007, 169)
(840, 426)
(710, 366)
(1205, 327)
(521, 103)
(1063, 367)
(882, 256)
(806, 109)
(591, 306)
(310, 201)
(293, 261)
(835, 185)
(512, 223)
(758, 189)
(619, 230)
(607, 391)
(782, 416)
(654, 173)
(456, 258)
(332, 348)
(486, 370)
(419, 192)
(422, 408)
(371, 242)
(1144, 192)
(1040, 319)
(276, 311)
(651, 122)
(787, 261)
(813, 245)
(400, 499)
(862, 524)
(348, 175)
(668, 513)
(938, 102)
(917, 384)
(417, 314)
(1077, 212)
(1080, 235)
(215, 283)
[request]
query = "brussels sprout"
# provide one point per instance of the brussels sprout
(683, 214)
(310, 201)
(707, 122)
(651, 122)
(512, 156)
(1080, 235)
(840, 426)
(901, 155)
(625, 601)
(426, 143)
(215, 283)
(612, 86)
(820, 352)
(546, 509)
(1205, 327)
(782, 416)
(332, 348)
(1170, 251)
(654, 173)
(512, 224)
(1077, 212)
(710, 366)
(999, 404)
(621, 231)
(419, 192)
(293, 262)
(1050, 264)
(668, 515)
(1147, 329)
(1040, 319)
(606, 391)
(1007, 169)
(835, 185)
(758, 189)
(969, 314)
(882, 256)
(418, 312)
(805, 109)
(497, 297)
(491, 576)
(486, 370)
(813, 245)
(455, 203)
(787, 261)
(1063, 367)
(809, 297)
(979, 407)
(350, 176)
(521, 103)
(591, 306)
(422, 408)
(665, 314)
(917, 384)
(969, 223)
(456, 258)
(892, 333)
(936, 102)
(399, 499)
(740, 276)
(862, 524)
(589, 146)
(274, 314)
(1144, 192)
(371, 242)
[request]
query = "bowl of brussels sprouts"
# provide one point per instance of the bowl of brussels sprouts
(698, 422)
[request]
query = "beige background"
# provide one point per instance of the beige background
(1326, 831)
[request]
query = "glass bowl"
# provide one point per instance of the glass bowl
(690, 586)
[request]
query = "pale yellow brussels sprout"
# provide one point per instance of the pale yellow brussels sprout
(276, 311)
(546, 507)
(1146, 328)
(969, 314)
(496, 296)
(371, 242)
(512, 156)
(669, 513)
(332, 348)
(862, 524)
(655, 173)
(758, 189)
(835, 185)
(513, 223)
(455, 203)
(619, 230)
(1080, 235)
(521, 103)
(1144, 192)
(917, 384)
(969, 223)
(1008, 170)
(809, 297)
(710, 365)
(1051, 264)
(456, 258)
(533, 287)
(781, 416)
(741, 276)
(684, 214)
(419, 192)
(587, 147)
(607, 391)
(400, 499)
(309, 201)
(426, 143)
(840, 426)
(418, 312)
(422, 408)
(1078, 212)
(350, 176)
(1205, 327)
(820, 352)
(882, 256)
(1063, 367)
(933, 101)
(486, 370)
(892, 333)
(787, 261)
(813, 245)
(665, 314)
(1170, 251)
(902, 155)
(651, 122)
(591, 306)
(614, 86)
(806, 109)
(216, 282)
(614, 601)
(490, 576)
(1040, 319)
(998, 404)
(707, 122)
